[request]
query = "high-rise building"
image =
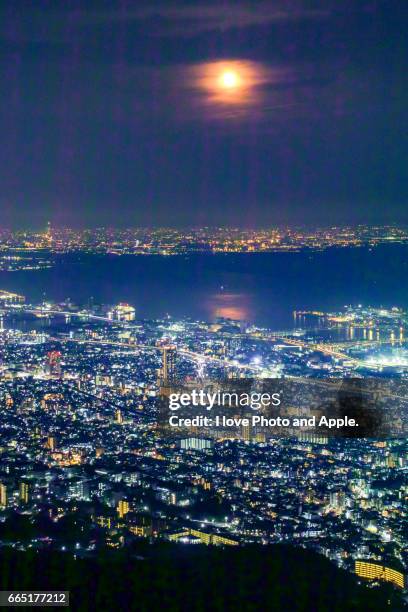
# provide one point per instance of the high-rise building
(51, 443)
(168, 363)
(3, 495)
(246, 432)
(23, 492)
(123, 507)
(54, 364)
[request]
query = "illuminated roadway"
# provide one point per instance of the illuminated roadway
(326, 349)
(332, 350)
(184, 352)
(199, 357)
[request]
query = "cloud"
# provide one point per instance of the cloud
(165, 18)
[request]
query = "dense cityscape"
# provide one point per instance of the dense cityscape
(28, 250)
(84, 466)
(203, 305)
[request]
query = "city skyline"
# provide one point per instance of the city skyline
(83, 392)
(48, 227)
(203, 306)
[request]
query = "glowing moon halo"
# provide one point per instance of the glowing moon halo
(229, 79)
(230, 87)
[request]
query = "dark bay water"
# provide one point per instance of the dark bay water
(261, 288)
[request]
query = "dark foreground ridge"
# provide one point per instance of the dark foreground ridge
(171, 577)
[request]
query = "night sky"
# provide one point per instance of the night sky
(203, 113)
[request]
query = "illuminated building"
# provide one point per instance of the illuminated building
(78, 489)
(104, 521)
(54, 363)
(51, 443)
(338, 500)
(391, 462)
(3, 495)
(374, 571)
(141, 526)
(11, 298)
(246, 432)
(123, 508)
(23, 492)
(168, 372)
(103, 380)
(195, 443)
(313, 438)
(205, 484)
(142, 531)
(215, 539)
(122, 312)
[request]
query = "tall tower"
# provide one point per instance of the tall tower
(169, 353)
(48, 233)
(54, 363)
